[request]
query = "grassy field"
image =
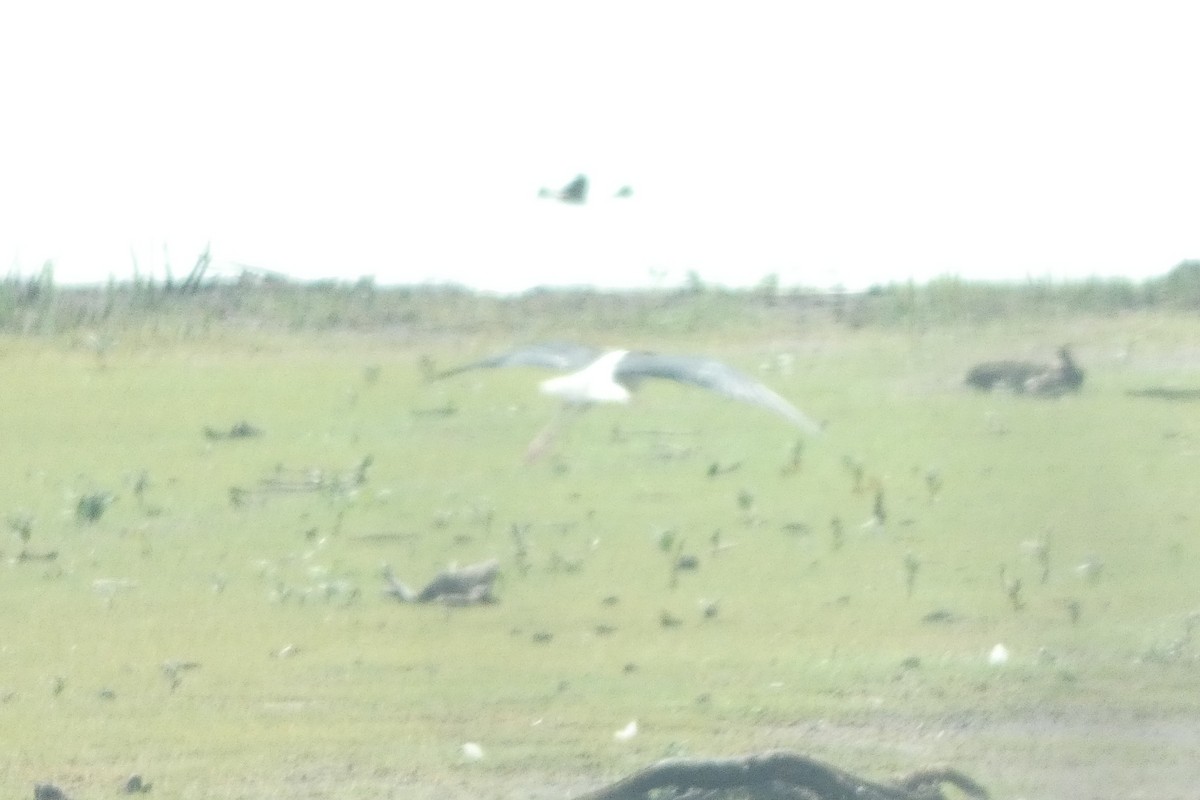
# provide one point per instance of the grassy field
(220, 627)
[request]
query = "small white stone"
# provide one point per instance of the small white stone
(627, 733)
(999, 656)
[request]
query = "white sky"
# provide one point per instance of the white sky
(833, 142)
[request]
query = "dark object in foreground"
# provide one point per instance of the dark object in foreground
(1027, 377)
(135, 785)
(470, 585)
(48, 791)
(778, 775)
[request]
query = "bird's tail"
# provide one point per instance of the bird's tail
(397, 589)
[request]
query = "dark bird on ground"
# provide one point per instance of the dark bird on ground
(574, 192)
(1027, 377)
(610, 376)
(469, 585)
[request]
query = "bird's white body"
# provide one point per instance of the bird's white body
(595, 383)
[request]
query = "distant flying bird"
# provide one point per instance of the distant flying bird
(573, 192)
(609, 376)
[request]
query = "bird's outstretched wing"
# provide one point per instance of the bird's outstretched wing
(549, 355)
(714, 376)
(573, 192)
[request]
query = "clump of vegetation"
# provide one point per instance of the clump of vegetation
(270, 301)
(21, 525)
(239, 430)
(91, 507)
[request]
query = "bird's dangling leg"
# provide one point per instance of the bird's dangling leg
(541, 443)
(544, 442)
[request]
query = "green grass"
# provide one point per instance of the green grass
(808, 650)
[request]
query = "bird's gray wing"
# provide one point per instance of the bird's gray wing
(714, 376)
(462, 582)
(547, 355)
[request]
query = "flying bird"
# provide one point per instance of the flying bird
(610, 376)
(574, 192)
